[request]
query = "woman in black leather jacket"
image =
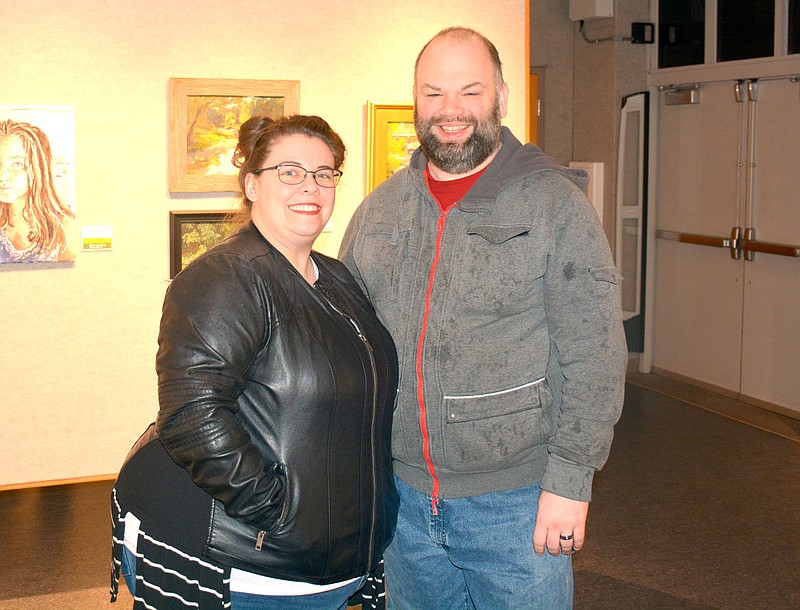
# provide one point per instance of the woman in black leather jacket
(265, 481)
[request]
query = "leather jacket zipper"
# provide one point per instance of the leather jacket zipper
(262, 534)
(374, 368)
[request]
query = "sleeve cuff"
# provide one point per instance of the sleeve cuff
(568, 479)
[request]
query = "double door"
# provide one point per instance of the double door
(726, 308)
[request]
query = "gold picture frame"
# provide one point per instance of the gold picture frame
(204, 119)
(391, 139)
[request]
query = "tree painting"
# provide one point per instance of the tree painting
(212, 129)
(401, 143)
(199, 237)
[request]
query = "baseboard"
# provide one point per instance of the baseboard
(722, 403)
(754, 402)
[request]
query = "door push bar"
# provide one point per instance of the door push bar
(739, 242)
(751, 245)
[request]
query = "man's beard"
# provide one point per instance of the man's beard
(457, 157)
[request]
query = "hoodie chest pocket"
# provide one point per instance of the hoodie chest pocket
(500, 268)
(498, 234)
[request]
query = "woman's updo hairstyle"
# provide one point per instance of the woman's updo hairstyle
(258, 134)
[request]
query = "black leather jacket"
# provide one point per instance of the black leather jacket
(277, 397)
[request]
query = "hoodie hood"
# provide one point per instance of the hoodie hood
(514, 161)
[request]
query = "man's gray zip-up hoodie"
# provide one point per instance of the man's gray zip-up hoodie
(513, 299)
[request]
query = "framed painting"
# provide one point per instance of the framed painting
(38, 221)
(391, 139)
(191, 233)
(204, 120)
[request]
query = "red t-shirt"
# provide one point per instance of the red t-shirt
(448, 192)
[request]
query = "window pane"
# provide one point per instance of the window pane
(681, 32)
(745, 29)
(794, 26)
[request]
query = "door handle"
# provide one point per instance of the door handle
(732, 243)
(751, 245)
(695, 238)
(771, 248)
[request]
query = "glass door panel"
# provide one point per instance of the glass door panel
(681, 32)
(745, 30)
(794, 26)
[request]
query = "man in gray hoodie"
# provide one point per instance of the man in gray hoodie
(491, 270)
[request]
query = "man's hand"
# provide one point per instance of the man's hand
(560, 525)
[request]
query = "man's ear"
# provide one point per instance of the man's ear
(503, 100)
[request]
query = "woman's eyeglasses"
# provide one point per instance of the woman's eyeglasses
(294, 174)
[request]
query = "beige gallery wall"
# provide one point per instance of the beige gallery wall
(77, 341)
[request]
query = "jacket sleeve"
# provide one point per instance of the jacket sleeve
(347, 248)
(584, 319)
(214, 321)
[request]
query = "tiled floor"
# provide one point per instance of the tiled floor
(694, 510)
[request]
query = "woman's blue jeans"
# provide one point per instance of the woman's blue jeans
(329, 600)
(129, 569)
(477, 552)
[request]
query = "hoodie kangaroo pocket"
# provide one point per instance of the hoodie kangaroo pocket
(491, 431)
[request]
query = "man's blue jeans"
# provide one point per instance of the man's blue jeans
(476, 553)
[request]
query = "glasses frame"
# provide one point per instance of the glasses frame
(337, 174)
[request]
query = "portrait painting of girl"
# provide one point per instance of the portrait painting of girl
(35, 219)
